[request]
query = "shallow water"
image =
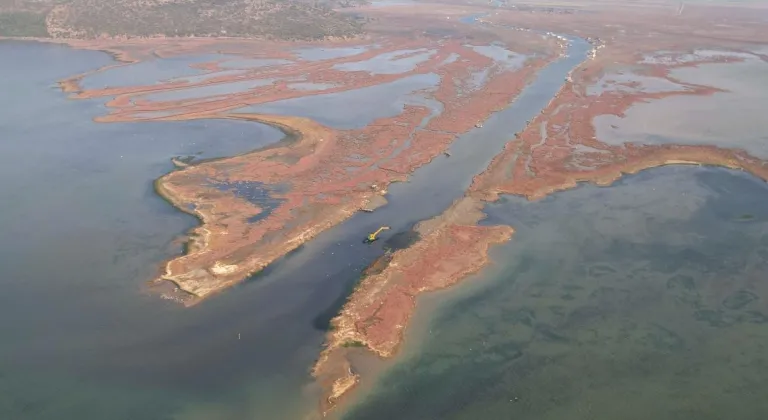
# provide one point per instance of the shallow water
(391, 62)
(249, 63)
(506, 59)
(479, 78)
(208, 90)
(321, 53)
(734, 118)
(628, 82)
(207, 76)
(451, 59)
(148, 72)
(257, 193)
(84, 230)
(646, 299)
(671, 57)
(352, 109)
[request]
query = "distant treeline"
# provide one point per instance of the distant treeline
(23, 23)
(282, 19)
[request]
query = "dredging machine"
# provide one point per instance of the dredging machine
(372, 237)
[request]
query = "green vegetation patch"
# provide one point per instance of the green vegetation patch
(23, 24)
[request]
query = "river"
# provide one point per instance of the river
(81, 230)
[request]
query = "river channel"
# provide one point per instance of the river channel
(81, 230)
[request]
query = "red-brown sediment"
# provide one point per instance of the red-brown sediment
(330, 174)
(327, 181)
(323, 175)
(452, 246)
(129, 104)
(534, 168)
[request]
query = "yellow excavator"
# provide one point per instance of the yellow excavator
(372, 237)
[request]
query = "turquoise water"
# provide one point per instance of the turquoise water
(643, 300)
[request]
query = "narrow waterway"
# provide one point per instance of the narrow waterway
(81, 231)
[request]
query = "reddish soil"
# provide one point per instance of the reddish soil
(570, 152)
(557, 150)
(327, 181)
(320, 175)
(325, 175)
(129, 104)
(326, 178)
(451, 247)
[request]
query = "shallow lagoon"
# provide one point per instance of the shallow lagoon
(646, 299)
(393, 62)
(506, 59)
(322, 53)
(732, 118)
(148, 72)
(628, 82)
(352, 109)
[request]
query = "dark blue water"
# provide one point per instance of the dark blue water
(643, 300)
